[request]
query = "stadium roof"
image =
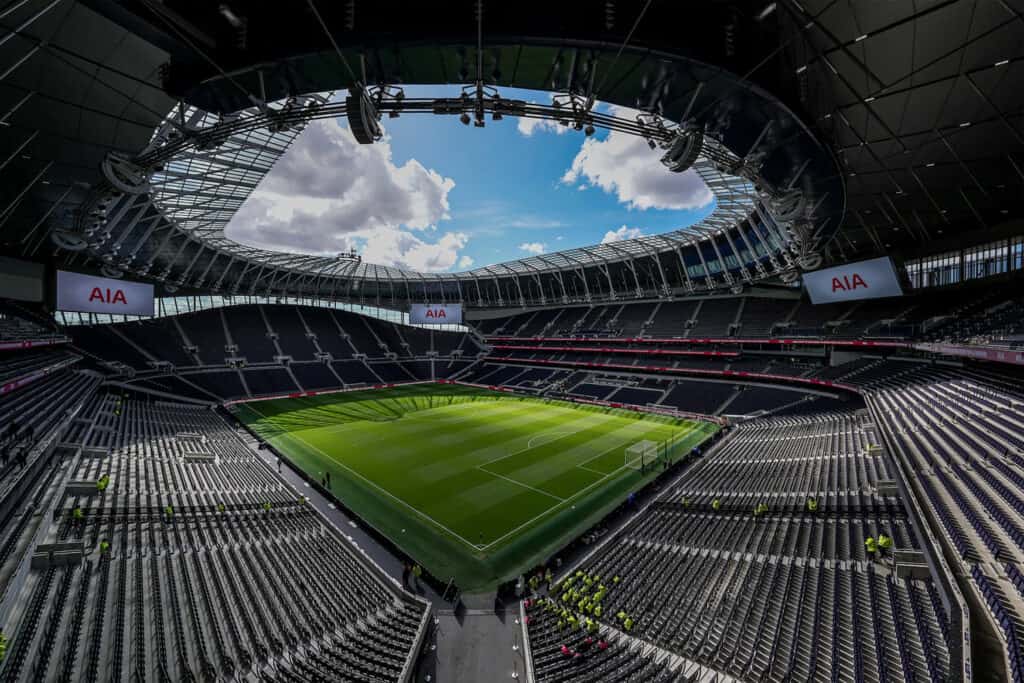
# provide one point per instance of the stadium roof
(896, 123)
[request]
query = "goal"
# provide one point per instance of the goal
(641, 455)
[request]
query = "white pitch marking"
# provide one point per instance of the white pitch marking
(377, 486)
(519, 483)
(555, 507)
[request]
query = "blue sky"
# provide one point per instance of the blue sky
(437, 195)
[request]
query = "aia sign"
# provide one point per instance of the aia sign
(847, 284)
(104, 296)
(871, 279)
(91, 294)
(435, 314)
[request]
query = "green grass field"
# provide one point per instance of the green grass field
(474, 484)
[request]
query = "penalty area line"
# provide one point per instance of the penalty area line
(381, 489)
(556, 506)
(519, 483)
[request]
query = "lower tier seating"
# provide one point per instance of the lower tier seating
(198, 563)
(785, 594)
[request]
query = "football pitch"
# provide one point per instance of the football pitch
(475, 485)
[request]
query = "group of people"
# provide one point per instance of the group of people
(584, 592)
(567, 618)
(544, 577)
(876, 547)
(15, 443)
(584, 647)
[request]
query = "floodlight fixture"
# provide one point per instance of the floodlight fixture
(464, 118)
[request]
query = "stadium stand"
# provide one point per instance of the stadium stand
(153, 529)
(787, 594)
(961, 436)
(214, 567)
(957, 316)
(603, 655)
(257, 336)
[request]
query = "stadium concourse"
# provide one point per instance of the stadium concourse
(279, 403)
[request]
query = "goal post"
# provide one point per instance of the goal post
(641, 455)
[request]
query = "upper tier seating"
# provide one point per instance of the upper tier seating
(672, 318)
(292, 336)
(761, 315)
(328, 335)
(715, 316)
(16, 328)
(35, 411)
(24, 363)
(249, 333)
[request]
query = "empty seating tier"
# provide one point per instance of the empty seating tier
(197, 562)
(787, 593)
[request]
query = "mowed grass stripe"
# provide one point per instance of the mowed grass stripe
(426, 517)
(417, 442)
(504, 505)
(369, 405)
(474, 484)
(454, 474)
(545, 466)
(463, 451)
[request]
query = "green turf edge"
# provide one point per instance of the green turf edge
(446, 557)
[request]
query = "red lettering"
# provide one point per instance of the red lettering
(847, 283)
(97, 293)
(119, 297)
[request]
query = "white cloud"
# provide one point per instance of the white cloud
(533, 247)
(624, 165)
(465, 262)
(527, 127)
(528, 222)
(582, 186)
(623, 233)
(328, 193)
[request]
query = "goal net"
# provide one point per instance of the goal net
(641, 455)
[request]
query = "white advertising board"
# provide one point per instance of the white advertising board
(90, 294)
(435, 314)
(872, 279)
